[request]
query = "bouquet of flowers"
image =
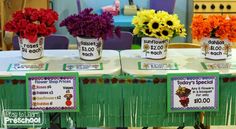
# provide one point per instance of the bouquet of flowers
(214, 26)
(87, 24)
(183, 94)
(160, 24)
(32, 23)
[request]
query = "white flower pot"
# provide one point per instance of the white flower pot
(216, 49)
(90, 48)
(30, 50)
(154, 48)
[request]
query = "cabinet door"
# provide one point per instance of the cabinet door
(37, 4)
(8, 8)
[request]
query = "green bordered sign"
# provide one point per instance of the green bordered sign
(191, 92)
(218, 65)
(157, 66)
(83, 67)
(57, 92)
(28, 67)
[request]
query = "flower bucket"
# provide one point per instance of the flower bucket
(154, 48)
(90, 48)
(216, 49)
(30, 50)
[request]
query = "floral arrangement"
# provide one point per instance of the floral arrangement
(183, 94)
(32, 23)
(158, 24)
(88, 24)
(214, 26)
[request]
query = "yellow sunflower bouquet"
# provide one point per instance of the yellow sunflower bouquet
(160, 24)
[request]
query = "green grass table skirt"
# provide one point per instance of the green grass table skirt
(145, 104)
(124, 101)
(13, 96)
(227, 99)
(101, 104)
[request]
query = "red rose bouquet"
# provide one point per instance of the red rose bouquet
(32, 23)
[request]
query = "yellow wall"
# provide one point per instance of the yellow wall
(7, 7)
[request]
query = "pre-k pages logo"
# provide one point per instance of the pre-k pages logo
(22, 117)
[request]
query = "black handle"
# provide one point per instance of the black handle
(203, 6)
(228, 6)
(213, 6)
(196, 6)
(221, 6)
(131, 2)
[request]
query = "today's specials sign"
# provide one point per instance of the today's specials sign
(189, 92)
(53, 91)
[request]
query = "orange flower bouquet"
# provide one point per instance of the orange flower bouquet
(216, 33)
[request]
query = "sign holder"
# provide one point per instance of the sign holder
(191, 92)
(54, 92)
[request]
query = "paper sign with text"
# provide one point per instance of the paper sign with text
(28, 67)
(190, 92)
(218, 65)
(157, 66)
(82, 67)
(153, 48)
(53, 91)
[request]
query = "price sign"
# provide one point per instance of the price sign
(153, 48)
(83, 67)
(218, 65)
(202, 100)
(190, 92)
(53, 91)
(28, 67)
(157, 66)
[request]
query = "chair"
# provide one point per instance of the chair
(183, 45)
(51, 42)
(166, 5)
(78, 5)
(124, 42)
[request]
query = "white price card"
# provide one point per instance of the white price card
(157, 66)
(28, 67)
(83, 67)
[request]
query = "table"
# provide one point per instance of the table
(56, 59)
(13, 87)
(136, 99)
(188, 60)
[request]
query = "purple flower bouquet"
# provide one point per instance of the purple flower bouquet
(90, 30)
(87, 24)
